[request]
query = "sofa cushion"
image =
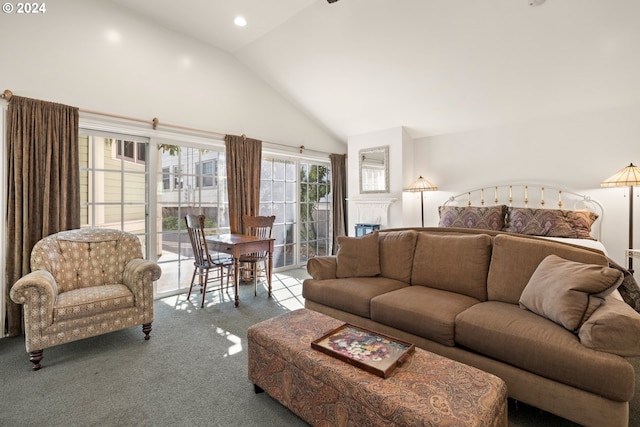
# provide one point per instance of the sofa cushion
(352, 295)
(396, 254)
(428, 313)
(568, 292)
(85, 302)
(358, 256)
(550, 222)
(523, 339)
(614, 327)
(479, 217)
(515, 258)
(456, 263)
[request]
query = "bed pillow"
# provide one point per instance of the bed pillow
(485, 218)
(614, 327)
(358, 256)
(568, 292)
(550, 222)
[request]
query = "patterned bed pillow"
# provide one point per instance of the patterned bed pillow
(485, 218)
(550, 222)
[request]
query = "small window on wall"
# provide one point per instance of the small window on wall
(131, 151)
(206, 173)
(177, 178)
(166, 178)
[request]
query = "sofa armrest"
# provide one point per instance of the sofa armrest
(36, 290)
(139, 275)
(322, 267)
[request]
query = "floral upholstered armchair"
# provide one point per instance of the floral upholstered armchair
(84, 283)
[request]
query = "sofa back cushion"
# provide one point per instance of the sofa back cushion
(515, 258)
(396, 254)
(358, 256)
(456, 263)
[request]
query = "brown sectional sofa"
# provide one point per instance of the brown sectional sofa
(457, 293)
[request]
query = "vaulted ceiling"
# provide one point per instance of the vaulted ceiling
(433, 66)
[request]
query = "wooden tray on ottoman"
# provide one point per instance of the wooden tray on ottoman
(371, 351)
(425, 390)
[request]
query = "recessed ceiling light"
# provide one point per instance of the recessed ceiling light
(240, 21)
(113, 35)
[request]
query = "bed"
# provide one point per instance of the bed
(533, 209)
(542, 211)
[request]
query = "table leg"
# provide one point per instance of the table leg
(236, 267)
(270, 268)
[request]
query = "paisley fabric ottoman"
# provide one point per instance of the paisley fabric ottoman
(426, 390)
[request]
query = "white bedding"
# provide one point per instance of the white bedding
(588, 243)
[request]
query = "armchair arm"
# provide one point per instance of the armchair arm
(36, 290)
(139, 275)
(322, 267)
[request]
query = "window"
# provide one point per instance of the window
(141, 155)
(206, 172)
(166, 178)
(298, 194)
(177, 178)
(135, 184)
(113, 190)
(131, 151)
(315, 210)
(193, 172)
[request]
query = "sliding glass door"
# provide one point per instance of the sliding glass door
(138, 185)
(189, 181)
(315, 210)
(298, 194)
(114, 183)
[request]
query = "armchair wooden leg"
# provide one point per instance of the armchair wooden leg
(146, 328)
(35, 357)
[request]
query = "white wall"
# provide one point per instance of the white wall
(98, 56)
(575, 152)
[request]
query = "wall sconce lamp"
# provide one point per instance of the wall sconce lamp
(421, 185)
(626, 177)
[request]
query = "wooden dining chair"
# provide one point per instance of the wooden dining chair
(203, 261)
(259, 226)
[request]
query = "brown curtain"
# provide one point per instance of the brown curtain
(244, 158)
(339, 194)
(43, 188)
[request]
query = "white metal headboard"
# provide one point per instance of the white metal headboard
(532, 196)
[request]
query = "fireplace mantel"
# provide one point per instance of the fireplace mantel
(372, 211)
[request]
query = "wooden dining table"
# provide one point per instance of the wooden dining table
(241, 244)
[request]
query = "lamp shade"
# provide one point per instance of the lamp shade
(625, 177)
(422, 184)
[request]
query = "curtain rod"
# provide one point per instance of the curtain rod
(7, 95)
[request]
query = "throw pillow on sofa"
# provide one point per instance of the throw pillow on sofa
(358, 256)
(568, 292)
